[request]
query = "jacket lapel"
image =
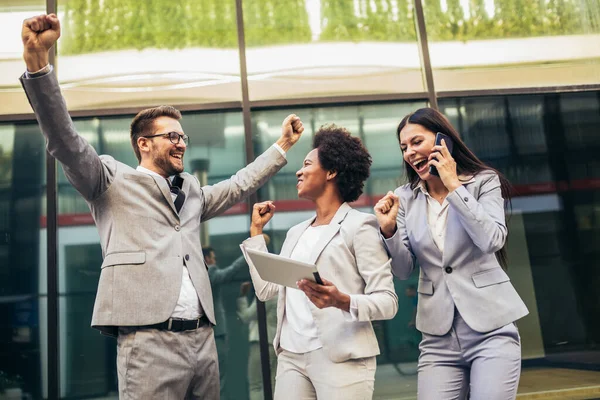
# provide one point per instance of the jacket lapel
(293, 237)
(164, 188)
(330, 231)
(423, 224)
(454, 229)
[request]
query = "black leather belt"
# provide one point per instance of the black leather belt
(180, 325)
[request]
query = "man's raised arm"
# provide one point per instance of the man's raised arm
(81, 163)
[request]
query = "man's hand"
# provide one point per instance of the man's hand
(325, 295)
(386, 211)
(291, 130)
(261, 214)
(39, 34)
(245, 288)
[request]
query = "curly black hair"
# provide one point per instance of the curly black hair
(339, 151)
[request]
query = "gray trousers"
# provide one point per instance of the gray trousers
(486, 364)
(311, 376)
(223, 353)
(154, 364)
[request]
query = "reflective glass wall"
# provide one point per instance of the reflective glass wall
(23, 296)
(308, 53)
(488, 44)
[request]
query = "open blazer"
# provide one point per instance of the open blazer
(351, 256)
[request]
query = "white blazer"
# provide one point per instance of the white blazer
(351, 256)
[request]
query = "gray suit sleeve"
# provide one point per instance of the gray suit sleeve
(219, 276)
(398, 247)
(221, 196)
(380, 300)
(82, 165)
(482, 218)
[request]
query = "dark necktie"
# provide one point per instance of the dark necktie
(175, 188)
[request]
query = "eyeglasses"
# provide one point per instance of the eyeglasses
(174, 137)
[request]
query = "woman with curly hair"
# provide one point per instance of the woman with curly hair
(325, 342)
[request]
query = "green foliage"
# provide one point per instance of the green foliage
(103, 25)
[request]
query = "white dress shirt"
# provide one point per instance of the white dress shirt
(299, 332)
(437, 214)
(188, 305)
(437, 218)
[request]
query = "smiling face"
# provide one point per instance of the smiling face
(417, 143)
(165, 157)
(312, 178)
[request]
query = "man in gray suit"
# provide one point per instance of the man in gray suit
(154, 293)
(219, 277)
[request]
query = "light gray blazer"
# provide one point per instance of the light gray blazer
(351, 256)
(144, 240)
(476, 285)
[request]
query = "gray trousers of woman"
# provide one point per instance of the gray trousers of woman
(488, 365)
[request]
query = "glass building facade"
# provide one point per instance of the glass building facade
(520, 80)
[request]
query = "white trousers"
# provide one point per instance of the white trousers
(311, 376)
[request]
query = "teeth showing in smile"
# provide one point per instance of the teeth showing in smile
(419, 164)
(178, 156)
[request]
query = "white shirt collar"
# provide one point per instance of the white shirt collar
(464, 179)
(150, 172)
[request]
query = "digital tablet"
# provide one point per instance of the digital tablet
(282, 270)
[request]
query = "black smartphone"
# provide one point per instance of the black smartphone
(318, 278)
(438, 142)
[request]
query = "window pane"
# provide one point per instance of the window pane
(12, 66)
(23, 299)
(489, 44)
(134, 53)
(309, 48)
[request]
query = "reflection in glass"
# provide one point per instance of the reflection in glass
(488, 44)
(310, 48)
(12, 66)
(117, 53)
(23, 330)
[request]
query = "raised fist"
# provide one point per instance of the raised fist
(291, 130)
(39, 34)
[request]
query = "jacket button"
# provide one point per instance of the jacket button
(177, 228)
(466, 199)
(448, 269)
(187, 257)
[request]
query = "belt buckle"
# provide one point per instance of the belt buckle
(197, 322)
(170, 324)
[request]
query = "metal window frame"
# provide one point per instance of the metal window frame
(52, 254)
(246, 106)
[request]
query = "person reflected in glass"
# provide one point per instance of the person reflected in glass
(246, 311)
(454, 226)
(325, 341)
(218, 278)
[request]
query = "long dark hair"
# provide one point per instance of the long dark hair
(467, 162)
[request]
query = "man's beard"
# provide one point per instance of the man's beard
(164, 163)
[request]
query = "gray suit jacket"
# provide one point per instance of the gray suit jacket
(350, 255)
(145, 242)
(218, 277)
(477, 285)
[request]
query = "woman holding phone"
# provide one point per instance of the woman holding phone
(452, 224)
(325, 342)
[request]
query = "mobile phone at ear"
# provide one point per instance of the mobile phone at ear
(438, 142)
